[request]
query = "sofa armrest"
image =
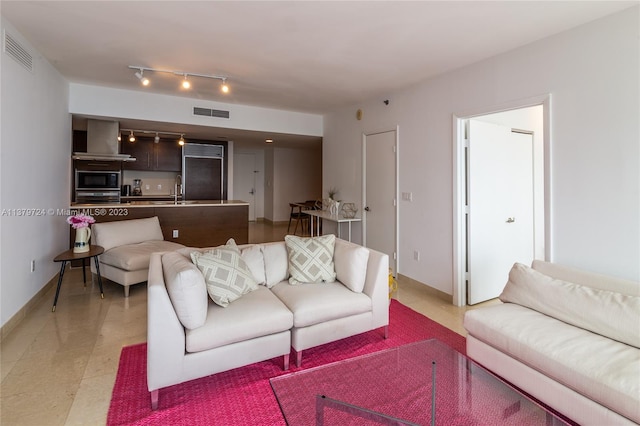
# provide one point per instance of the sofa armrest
(165, 334)
(376, 286)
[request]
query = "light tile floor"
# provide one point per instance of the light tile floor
(59, 368)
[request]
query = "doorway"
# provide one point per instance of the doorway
(501, 169)
(380, 190)
(244, 178)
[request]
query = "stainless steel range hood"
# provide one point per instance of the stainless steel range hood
(102, 142)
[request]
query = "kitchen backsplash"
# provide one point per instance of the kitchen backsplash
(158, 183)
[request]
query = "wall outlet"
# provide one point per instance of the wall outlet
(407, 196)
(175, 233)
(147, 187)
(159, 187)
(33, 266)
(416, 255)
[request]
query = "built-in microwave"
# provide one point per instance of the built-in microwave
(97, 186)
(94, 179)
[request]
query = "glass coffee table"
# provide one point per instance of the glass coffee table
(395, 386)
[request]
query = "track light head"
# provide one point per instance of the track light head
(140, 75)
(224, 87)
(185, 83)
(132, 138)
(157, 138)
(181, 140)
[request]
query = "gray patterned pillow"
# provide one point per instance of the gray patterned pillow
(225, 272)
(311, 259)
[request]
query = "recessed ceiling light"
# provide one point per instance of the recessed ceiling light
(269, 141)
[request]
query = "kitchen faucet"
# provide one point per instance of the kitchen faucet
(178, 188)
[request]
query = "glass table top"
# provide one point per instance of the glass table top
(397, 383)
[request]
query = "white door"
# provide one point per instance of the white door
(500, 199)
(244, 180)
(380, 177)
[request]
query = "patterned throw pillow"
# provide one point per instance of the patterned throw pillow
(311, 259)
(227, 276)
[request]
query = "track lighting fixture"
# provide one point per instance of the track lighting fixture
(149, 133)
(186, 83)
(144, 80)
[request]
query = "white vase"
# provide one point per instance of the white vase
(82, 240)
(334, 209)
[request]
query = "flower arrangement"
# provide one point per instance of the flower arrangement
(80, 220)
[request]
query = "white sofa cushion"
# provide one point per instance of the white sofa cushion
(607, 313)
(187, 289)
(225, 272)
(604, 370)
(256, 314)
(253, 257)
(351, 264)
(276, 264)
(589, 279)
(311, 259)
(122, 232)
(133, 257)
(315, 303)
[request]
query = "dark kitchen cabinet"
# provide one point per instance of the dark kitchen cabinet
(168, 156)
(165, 156)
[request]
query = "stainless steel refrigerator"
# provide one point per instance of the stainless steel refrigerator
(203, 172)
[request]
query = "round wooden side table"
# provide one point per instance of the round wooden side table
(68, 256)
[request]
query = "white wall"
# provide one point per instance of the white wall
(297, 177)
(139, 105)
(290, 174)
(35, 172)
(592, 73)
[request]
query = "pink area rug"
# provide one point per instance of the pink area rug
(243, 396)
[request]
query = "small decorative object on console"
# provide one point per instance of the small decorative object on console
(349, 210)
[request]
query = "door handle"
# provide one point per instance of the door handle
(511, 219)
(252, 192)
(367, 209)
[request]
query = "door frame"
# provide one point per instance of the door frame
(459, 185)
(394, 262)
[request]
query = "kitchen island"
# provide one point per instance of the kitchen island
(194, 223)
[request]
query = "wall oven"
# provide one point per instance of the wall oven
(97, 186)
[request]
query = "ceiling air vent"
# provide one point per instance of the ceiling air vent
(206, 112)
(17, 52)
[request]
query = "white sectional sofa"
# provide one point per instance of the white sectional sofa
(567, 337)
(190, 337)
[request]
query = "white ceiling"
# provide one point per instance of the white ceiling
(304, 56)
